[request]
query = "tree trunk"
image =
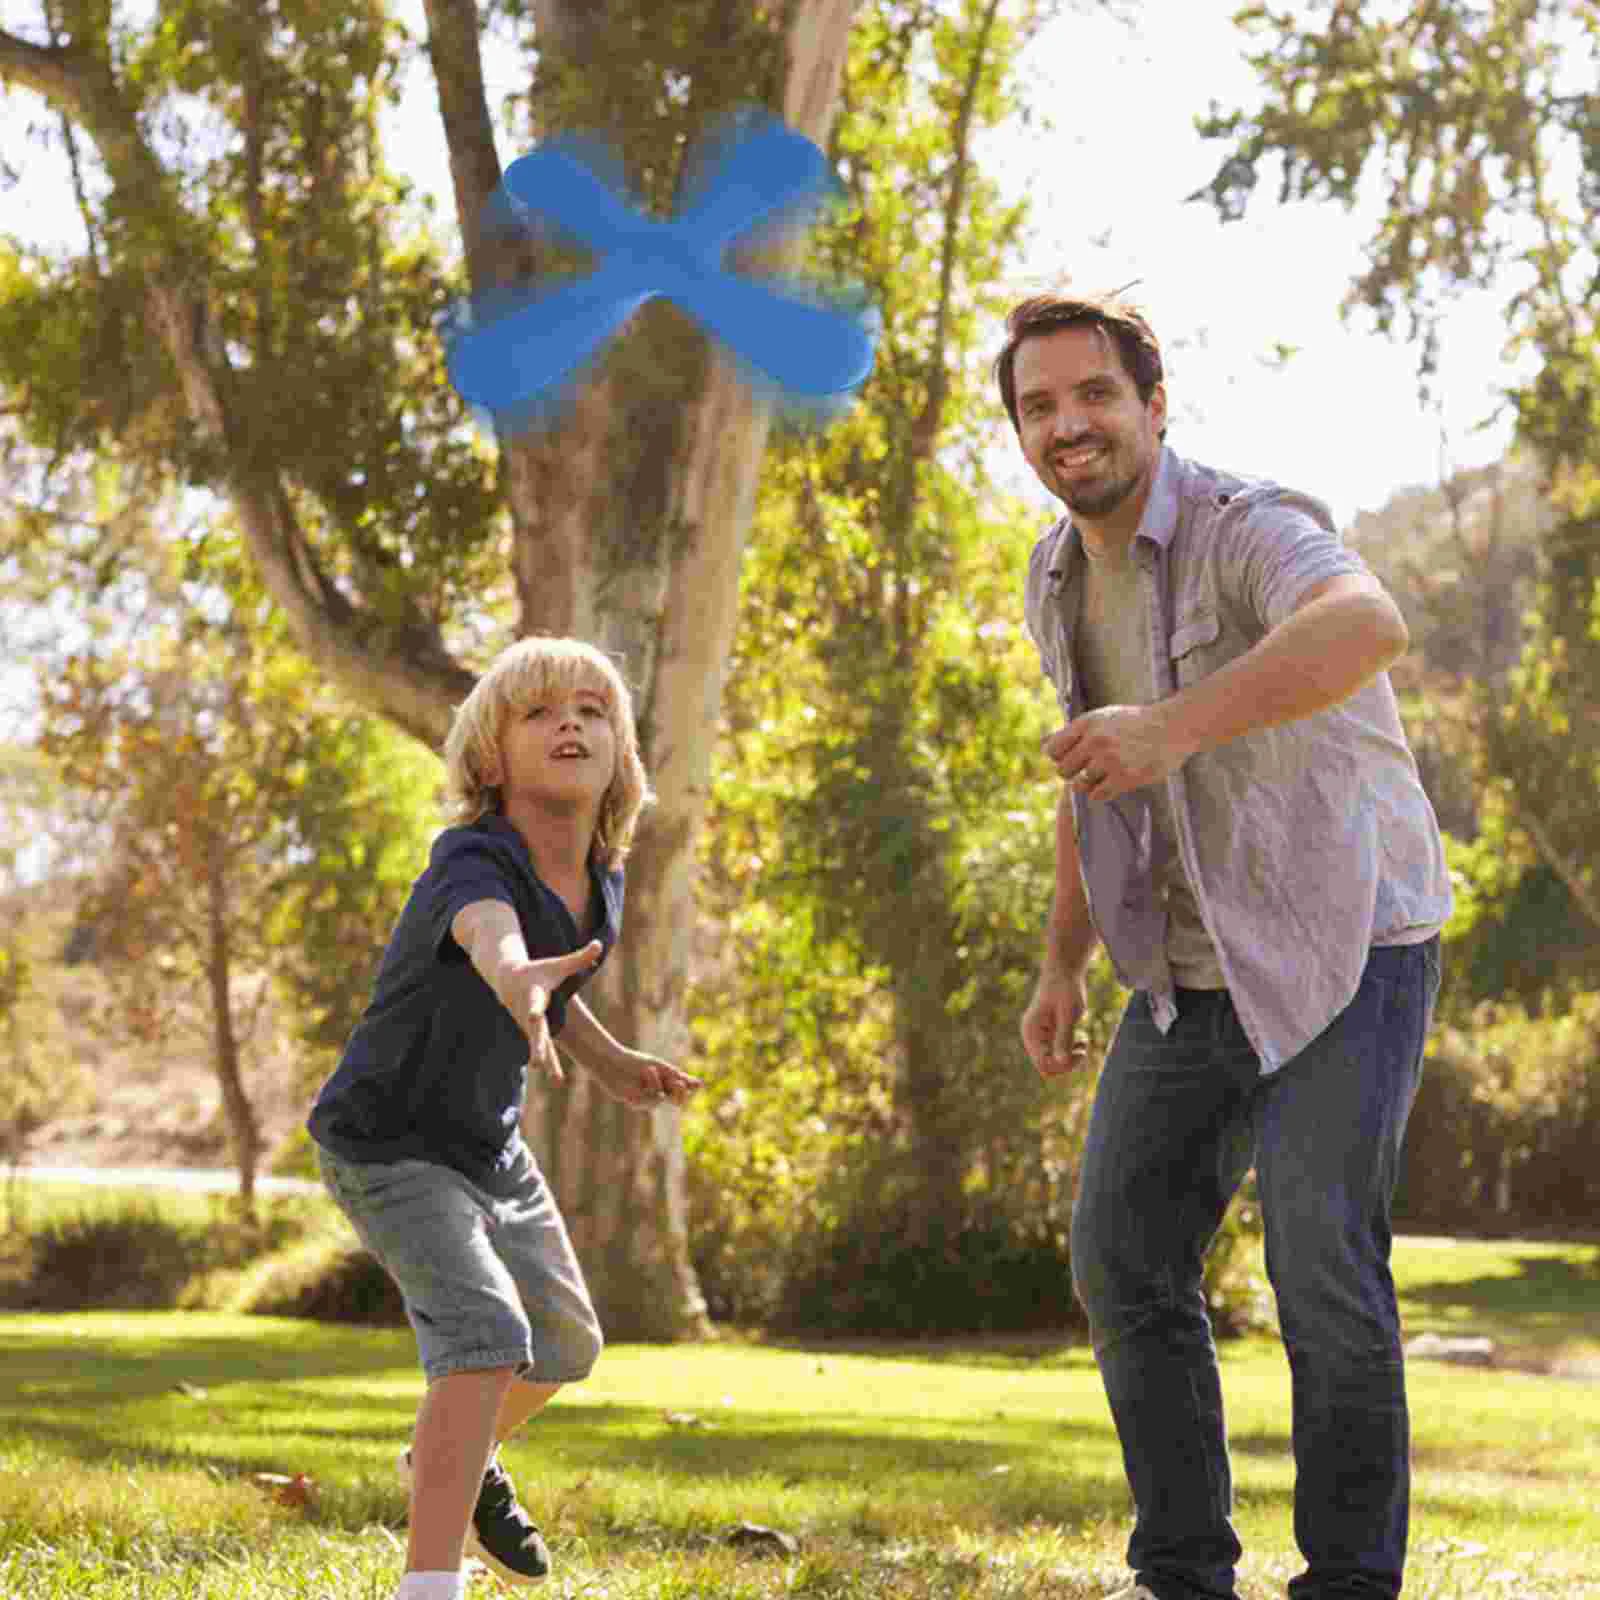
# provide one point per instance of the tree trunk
(244, 1130)
(629, 522)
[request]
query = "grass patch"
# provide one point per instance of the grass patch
(1539, 1302)
(30, 1205)
(129, 1445)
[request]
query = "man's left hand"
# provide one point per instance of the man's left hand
(1109, 752)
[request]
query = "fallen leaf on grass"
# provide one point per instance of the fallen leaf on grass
(685, 1419)
(296, 1491)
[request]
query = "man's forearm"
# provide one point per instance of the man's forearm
(1314, 659)
(1069, 935)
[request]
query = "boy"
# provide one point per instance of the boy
(418, 1130)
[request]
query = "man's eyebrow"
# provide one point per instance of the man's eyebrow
(1039, 389)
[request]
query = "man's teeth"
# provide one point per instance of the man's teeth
(1078, 458)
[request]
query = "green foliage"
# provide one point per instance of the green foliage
(250, 839)
(139, 1254)
(883, 1271)
(880, 845)
(262, 199)
(1479, 126)
(1505, 1126)
(39, 1079)
(363, 813)
(326, 1277)
(880, 839)
(138, 1251)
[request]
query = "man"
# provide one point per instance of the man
(1243, 827)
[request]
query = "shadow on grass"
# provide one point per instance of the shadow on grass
(264, 1405)
(1053, 1351)
(1007, 1483)
(1546, 1293)
(85, 1366)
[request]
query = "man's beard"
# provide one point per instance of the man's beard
(1096, 500)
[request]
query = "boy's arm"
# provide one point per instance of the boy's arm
(627, 1075)
(587, 1040)
(491, 936)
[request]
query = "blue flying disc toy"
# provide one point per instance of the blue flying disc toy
(517, 351)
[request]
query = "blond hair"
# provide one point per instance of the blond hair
(517, 678)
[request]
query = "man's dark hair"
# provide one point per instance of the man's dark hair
(1136, 342)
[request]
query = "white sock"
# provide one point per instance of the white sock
(432, 1586)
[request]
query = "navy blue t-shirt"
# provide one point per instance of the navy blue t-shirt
(436, 1069)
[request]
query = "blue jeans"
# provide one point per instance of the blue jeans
(487, 1281)
(1178, 1120)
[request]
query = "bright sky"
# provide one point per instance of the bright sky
(1341, 419)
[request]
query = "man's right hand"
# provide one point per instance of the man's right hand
(1052, 1026)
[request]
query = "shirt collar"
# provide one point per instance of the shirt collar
(1158, 523)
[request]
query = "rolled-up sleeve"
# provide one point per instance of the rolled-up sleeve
(1280, 547)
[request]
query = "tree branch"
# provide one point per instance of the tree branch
(1564, 867)
(414, 688)
(454, 51)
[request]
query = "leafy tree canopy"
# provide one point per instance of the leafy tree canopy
(1477, 127)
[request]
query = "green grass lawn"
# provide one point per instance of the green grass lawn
(1538, 1302)
(130, 1445)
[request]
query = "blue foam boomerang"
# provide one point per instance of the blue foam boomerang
(526, 349)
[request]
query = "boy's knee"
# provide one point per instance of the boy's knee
(568, 1352)
(586, 1344)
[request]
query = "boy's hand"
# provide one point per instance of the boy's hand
(526, 992)
(644, 1082)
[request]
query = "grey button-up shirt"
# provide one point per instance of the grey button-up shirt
(1306, 844)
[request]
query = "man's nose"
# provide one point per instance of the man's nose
(1069, 435)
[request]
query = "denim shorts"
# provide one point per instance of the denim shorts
(487, 1282)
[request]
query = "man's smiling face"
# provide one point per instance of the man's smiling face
(1091, 441)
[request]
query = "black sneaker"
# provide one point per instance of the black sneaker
(502, 1535)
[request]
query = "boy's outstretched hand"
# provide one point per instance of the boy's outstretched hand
(526, 995)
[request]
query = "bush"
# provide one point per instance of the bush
(1506, 1124)
(997, 1274)
(887, 1275)
(136, 1259)
(135, 1255)
(326, 1278)
(1238, 1296)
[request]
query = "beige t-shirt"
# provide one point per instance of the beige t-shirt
(1113, 650)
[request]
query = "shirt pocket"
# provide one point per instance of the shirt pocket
(1193, 646)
